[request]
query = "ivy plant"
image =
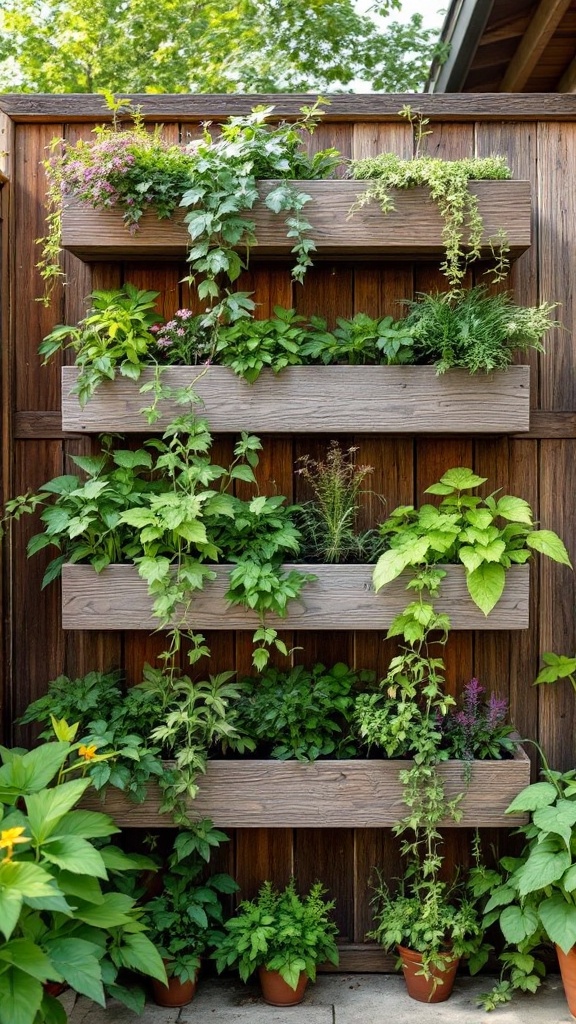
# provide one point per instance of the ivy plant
(448, 184)
(485, 535)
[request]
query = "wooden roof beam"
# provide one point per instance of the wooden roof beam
(501, 31)
(568, 81)
(547, 17)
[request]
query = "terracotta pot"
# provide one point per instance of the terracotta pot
(277, 992)
(176, 993)
(434, 988)
(567, 963)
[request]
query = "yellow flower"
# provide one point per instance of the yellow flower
(10, 836)
(88, 753)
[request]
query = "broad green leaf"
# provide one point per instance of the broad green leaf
(20, 997)
(559, 819)
(74, 854)
(114, 910)
(461, 479)
(545, 865)
(516, 510)
(87, 825)
(138, 953)
(470, 557)
(10, 906)
(47, 807)
(486, 585)
(548, 543)
(388, 567)
(28, 957)
(21, 881)
(559, 919)
(569, 879)
(517, 923)
(78, 963)
(539, 794)
(33, 770)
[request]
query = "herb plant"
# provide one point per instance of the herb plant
(281, 931)
(474, 330)
(302, 714)
(478, 728)
(113, 338)
(485, 535)
(328, 520)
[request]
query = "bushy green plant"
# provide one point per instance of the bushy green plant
(163, 513)
(359, 341)
(60, 917)
(486, 535)
(431, 917)
(113, 338)
(531, 896)
(281, 931)
(302, 714)
(474, 330)
(186, 918)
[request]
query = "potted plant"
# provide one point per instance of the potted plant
(184, 920)
(432, 924)
(282, 935)
(62, 919)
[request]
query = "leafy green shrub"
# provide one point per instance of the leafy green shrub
(280, 931)
(302, 714)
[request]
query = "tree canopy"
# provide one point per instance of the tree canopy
(216, 46)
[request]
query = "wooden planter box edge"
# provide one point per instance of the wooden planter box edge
(327, 794)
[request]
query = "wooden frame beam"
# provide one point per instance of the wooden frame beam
(533, 43)
(568, 81)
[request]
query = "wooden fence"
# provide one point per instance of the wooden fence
(537, 134)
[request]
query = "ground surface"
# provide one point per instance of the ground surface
(337, 999)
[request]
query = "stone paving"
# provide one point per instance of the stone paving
(337, 999)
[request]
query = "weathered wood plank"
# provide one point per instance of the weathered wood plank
(342, 597)
(412, 229)
(327, 794)
(309, 399)
(199, 107)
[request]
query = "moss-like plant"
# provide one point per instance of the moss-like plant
(447, 182)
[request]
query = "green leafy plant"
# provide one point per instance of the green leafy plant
(532, 896)
(60, 918)
(359, 341)
(113, 338)
(328, 521)
(431, 917)
(486, 535)
(474, 330)
(557, 666)
(448, 184)
(215, 179)
(281, 931)
(302, 714)
(186, 918)
(162, 513)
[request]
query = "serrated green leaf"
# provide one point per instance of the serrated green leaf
(539, 794)
(559, 819)
(517, 923)
(559, 919)
(545, 864)
(549, 543)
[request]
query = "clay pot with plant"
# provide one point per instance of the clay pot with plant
(282, 935)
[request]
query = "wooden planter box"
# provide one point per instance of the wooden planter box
(412, 230)
(326, 794)
(342, 597)
(316, 399)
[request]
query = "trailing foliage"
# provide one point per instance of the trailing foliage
(167, 509)
(447, 182)
(215, 179)
(281, 931)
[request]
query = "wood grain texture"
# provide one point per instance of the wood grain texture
(342, 597)
(309, 399)
(360, 107)
(413, 228)
(327, 794)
